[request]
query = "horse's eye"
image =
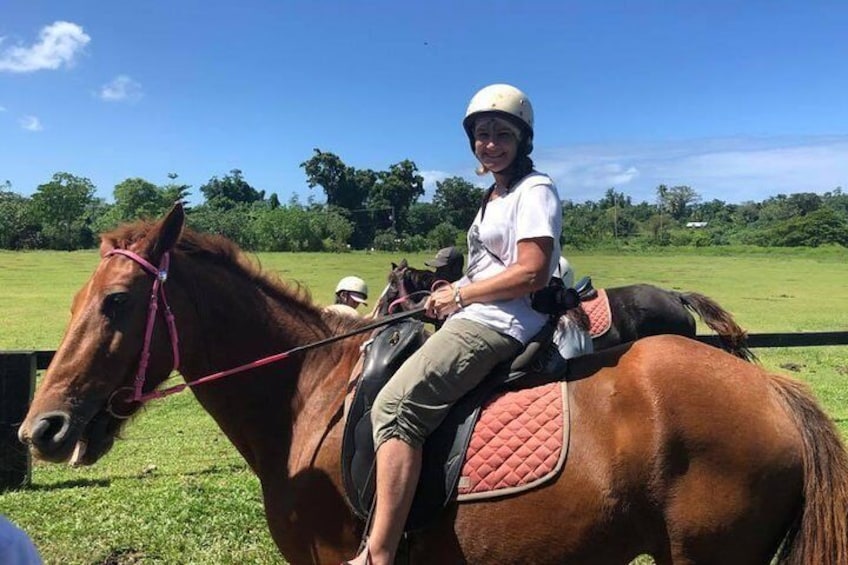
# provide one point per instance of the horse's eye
(114, 302)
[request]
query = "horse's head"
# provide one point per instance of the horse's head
(394, 288)
(87, 392)
(407, 283)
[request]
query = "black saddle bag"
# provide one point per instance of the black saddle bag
(555, 299)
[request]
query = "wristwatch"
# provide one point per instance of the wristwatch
(457, 298)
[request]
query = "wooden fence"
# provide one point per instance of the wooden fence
(18, 370)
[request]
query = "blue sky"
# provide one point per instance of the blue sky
(739, 100)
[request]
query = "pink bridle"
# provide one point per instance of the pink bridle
(160, 275)
(404, 296)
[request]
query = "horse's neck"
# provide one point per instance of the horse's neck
(421, 280)
(259, 409)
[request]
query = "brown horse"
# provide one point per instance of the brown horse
(678, 449)
(636, 311)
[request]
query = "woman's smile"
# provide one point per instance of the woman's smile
(495, 143)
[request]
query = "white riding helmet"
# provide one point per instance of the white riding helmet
(506, 101)
(353, 284)
(565, 272)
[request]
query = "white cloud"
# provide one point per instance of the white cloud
(730, 169)
(31, 123)
(58, 44)
(430, 180)
(122, 87)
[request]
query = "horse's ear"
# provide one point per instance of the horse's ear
(166, 233)
(394, 266)
(403, 263)
(106, 245)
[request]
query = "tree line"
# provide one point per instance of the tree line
(364, 208)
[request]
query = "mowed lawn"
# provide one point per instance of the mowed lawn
(174, 491)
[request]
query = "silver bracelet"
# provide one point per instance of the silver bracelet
(457, 298)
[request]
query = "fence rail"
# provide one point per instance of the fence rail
(802, 339)
(755, 341)
(18, 370)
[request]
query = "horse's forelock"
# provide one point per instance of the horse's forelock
(125, 235)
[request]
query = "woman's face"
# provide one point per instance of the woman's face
(495, 143)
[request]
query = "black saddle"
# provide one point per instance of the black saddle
(585, 290)
(444, 450)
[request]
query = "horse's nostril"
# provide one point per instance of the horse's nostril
(50, 429)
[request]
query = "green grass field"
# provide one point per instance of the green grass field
(174, 491)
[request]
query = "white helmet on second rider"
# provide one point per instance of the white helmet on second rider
(504, 101)
(354, 285)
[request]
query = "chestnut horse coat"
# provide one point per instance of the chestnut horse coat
(678, 449)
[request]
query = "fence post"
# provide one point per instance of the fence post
(17, 382)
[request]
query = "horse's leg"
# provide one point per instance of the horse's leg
(732, 478)
(738, 531)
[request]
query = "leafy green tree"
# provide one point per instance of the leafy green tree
(658, 229)
(678, 201)
(399, 188)
(784, 207)
(60, 206)
(387, 240)
(231, 191)
(820, 227)
(423, 217)
(233, 223)
(581, 224)
(286, 228)
(746, 213)
(614, 199)
(334, 228)
(713, 212)
(138, 198)
(458, 201)
(618, 221)
(344, 186)
(173, 191)
(836, 201)
(443, 235)
(18, 229)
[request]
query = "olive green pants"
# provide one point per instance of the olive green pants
(450, 364)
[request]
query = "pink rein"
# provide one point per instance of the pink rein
(160, 275)
(404, 296)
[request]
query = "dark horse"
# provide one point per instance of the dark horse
(637, 311)
(678, 450)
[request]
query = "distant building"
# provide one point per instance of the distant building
(696, 224)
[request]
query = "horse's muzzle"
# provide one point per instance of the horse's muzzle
(49, 435)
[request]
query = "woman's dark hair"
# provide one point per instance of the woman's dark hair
(520, 168)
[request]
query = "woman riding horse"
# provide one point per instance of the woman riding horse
(677, 449)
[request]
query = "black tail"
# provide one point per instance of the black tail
(733, 338)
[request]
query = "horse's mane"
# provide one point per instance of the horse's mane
(224, 253)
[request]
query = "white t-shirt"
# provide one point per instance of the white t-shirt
(531, 209)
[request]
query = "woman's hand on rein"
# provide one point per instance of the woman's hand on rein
(441, 303)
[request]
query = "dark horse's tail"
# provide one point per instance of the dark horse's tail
(731, 335)
(820, 532)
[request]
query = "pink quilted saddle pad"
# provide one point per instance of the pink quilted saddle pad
(598, 310)
(519, 442)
